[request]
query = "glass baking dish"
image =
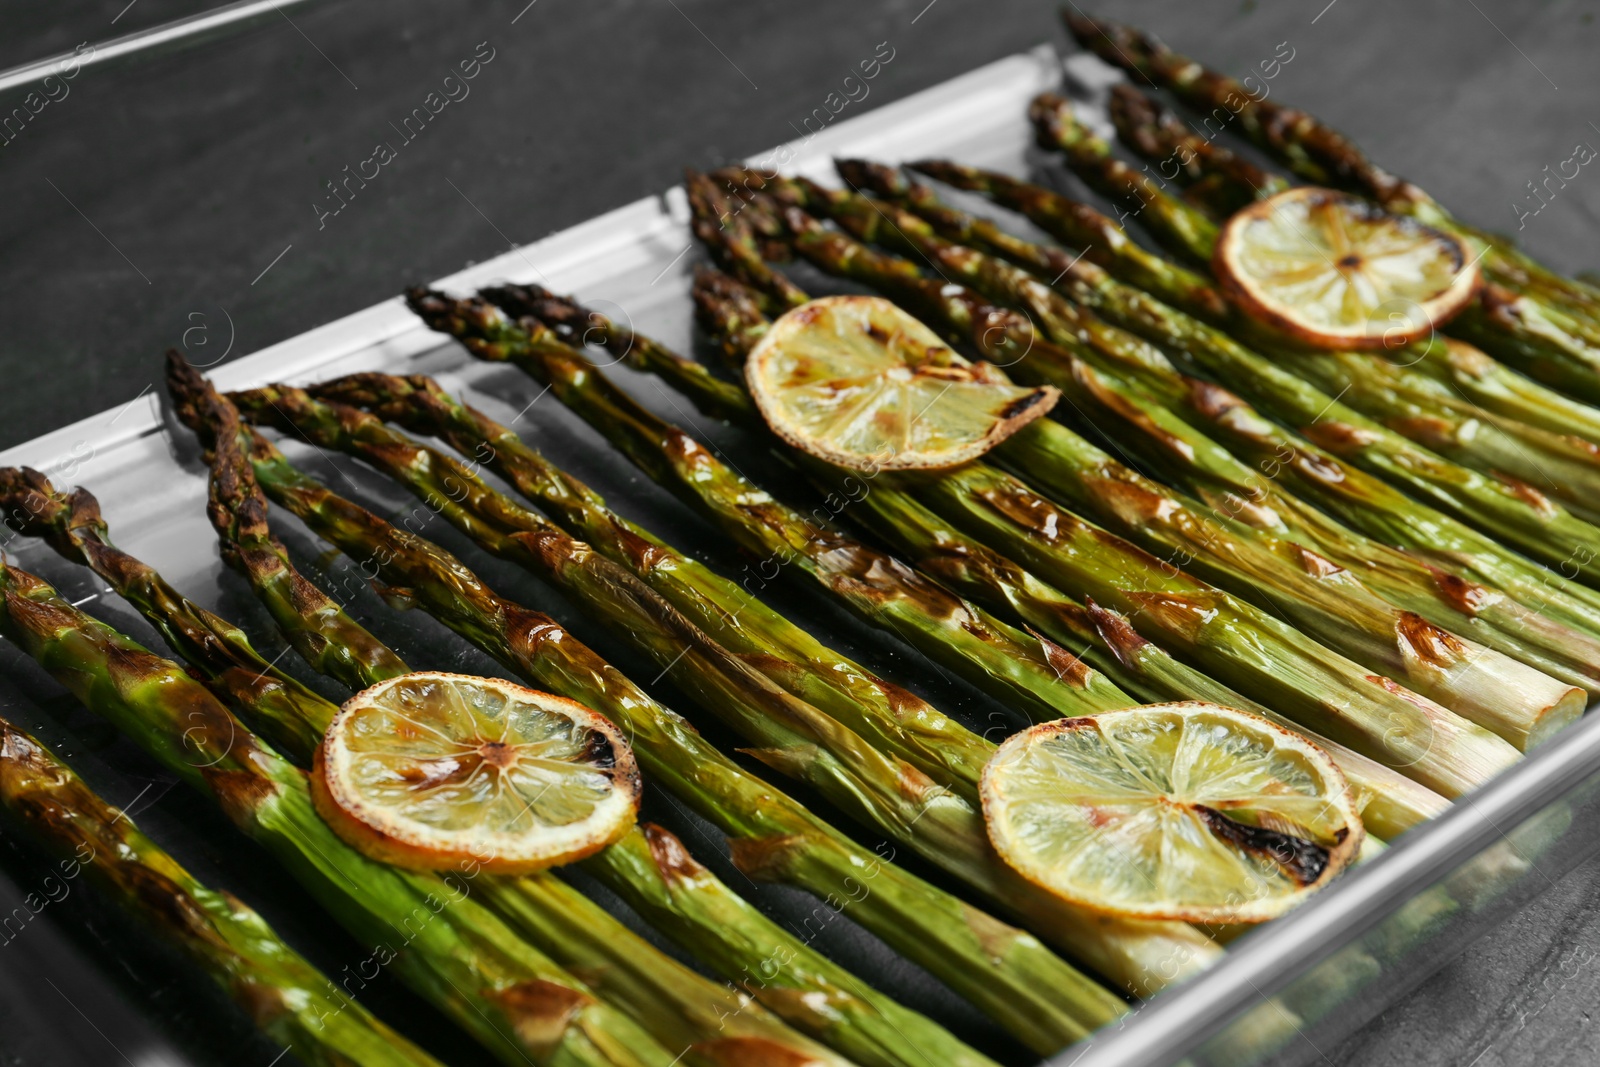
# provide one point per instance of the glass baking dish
(1282, 993)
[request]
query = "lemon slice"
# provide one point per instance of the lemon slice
(858, 382)
(1337, 271)
(1185, 811)
(433, 770)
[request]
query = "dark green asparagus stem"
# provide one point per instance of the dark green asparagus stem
(440, 940)
(1329, 604)
(282, 709)
(286, 997)
(1552, 343)
(1153, 390)
(1035, 674)
(1535, 525)
(892, 718)
(1219, 180)
(1409, 391)
(944, 827)
(1391, 803)
(678, 1005)
(1310, 148)
(1038, 997)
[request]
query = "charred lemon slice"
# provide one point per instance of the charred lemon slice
(433, 770)
(1333, 270)
(1184, 811)
(858, 382)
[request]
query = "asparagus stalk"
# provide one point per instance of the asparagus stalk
(1310, 148)
(283, 995)
(679, 1006)
(1328, 603)
(893, 719)
(1530, 522)
(1498, 389)
(441, 941)
(1444, 539)
(1006, 971)
(1411, 393)
(1101, 240)
(1221, 651)
(1552, 343)
(610, 412)
(1391, 803)
(1219, 180)
(1035, 675)
(1522, 627)
(944, 827)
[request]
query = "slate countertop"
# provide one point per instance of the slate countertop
(174, 202)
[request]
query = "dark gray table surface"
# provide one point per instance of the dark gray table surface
(178, 192)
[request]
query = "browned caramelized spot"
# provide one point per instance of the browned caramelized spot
(1302, 860)
(1317, 566)
(763, 859)
(500, 755)
(902, 702)
(1467, 360)
(1318, 467)
(1466, 597)
(1133, 504)
(1527, 494)
(241, 793)
(1418, 701)
(529, 630)
(672, 859)
(1118, 634)
(1211, 400)
(752, 1052)
(1118, 405)
(539, 1011)
(1438, 647)
(1174, 612)
(1067, 667)
(1027, 510)
(1339, 437)
(1437, 433)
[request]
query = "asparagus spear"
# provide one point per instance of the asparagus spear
(942, 826)
(286, 997)
(1309, 147)
(1035, 675)
(1504, 508)
(681, 1007)
(1391, 803)
(617, 417)
(1219, 180)
(1327, 603)
(1006, 971)
(1072, 222)
(1529, 522)
(1411, 392)
(1520, 627)
(893, 719)
(441, 941)
(1548, 342)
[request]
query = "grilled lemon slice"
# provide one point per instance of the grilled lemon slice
(1185, 811)
(433, 770)
(1336, 271)
(858, 382)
